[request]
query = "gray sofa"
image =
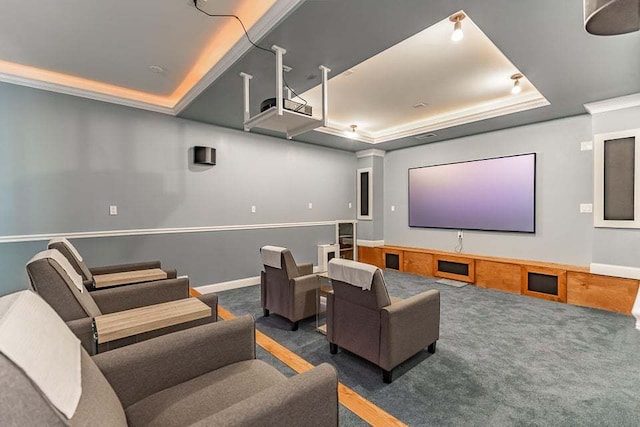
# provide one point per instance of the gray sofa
(286, 288)
(362, 318)
(78, 307)
(67, 249)
(204, 376)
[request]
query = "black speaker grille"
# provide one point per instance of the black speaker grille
(453, 267)
(392, 261)
(543, 283)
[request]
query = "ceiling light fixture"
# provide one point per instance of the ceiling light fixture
(156, 69)
(351, 133)
(457, 34)
(516, 89)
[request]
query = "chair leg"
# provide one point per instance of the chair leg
(266, 313)
(294, 326)
(333, 348)
(387, 376)
(432, 347)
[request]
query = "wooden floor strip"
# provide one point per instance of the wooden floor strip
(347, 397)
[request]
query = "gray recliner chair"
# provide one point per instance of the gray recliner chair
(287, 288)
(53, 278)
(205, 376)
(362, 318)
(66, 248)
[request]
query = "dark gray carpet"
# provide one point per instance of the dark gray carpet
(501, 359)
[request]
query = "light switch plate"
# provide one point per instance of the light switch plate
(113, 210)
(586, 146)
(393, 208)
(586, 207)
(253, 209)
(310, 205)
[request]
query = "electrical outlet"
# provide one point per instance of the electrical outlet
(113, 210)
(393, 208)
(460, 234)
(350, 205)
(253, 209)
(310, 205)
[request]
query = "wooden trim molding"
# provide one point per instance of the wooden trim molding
(576, 284)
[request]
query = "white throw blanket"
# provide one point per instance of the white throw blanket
(272, 256)
(63, 262)
(68, 244)
(352, 272)
(38, 341)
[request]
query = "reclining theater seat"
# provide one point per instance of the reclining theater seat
(53, 277)
(206, 375)
(286, 288)
(70, 252)
(362, 318)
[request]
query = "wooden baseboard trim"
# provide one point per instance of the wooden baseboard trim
(357, 404)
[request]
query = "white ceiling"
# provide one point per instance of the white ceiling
(105, 48)
(457, 81)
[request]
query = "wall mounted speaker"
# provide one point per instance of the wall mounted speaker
(204, 156)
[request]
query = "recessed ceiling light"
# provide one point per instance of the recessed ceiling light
(420, 105)
(426, 135)
(156, 69)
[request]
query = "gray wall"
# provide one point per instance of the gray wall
(64, 160)
(564, 180)
(614, 245)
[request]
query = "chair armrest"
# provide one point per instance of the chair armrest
(308, 399)
(303, 284)
(149, 293)
(118, 268)
(142, 369)
(212, 301)
(305, 269)
(408, 326)
(83, 329)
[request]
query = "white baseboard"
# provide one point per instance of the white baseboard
(225, 286)
(233, 284)
(370, 243)
(615, 270)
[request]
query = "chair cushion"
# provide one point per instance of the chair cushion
(36, 339)
(352, 272)
(203, 396)
(271, 256)
(71, 253)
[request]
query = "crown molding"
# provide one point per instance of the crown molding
(373, 152)
(268, 21)
(456, 118)
(82, 93)
(613, 104)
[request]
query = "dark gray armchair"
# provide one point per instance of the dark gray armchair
(287, 288)
(66, 248)
(52, 276)
(362, 318)
(205, 376)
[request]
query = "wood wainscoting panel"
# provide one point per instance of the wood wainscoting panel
(418, 263)
(561, 276)
(605, 292)
(470, 277)
(497, 275)
(370, 255)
